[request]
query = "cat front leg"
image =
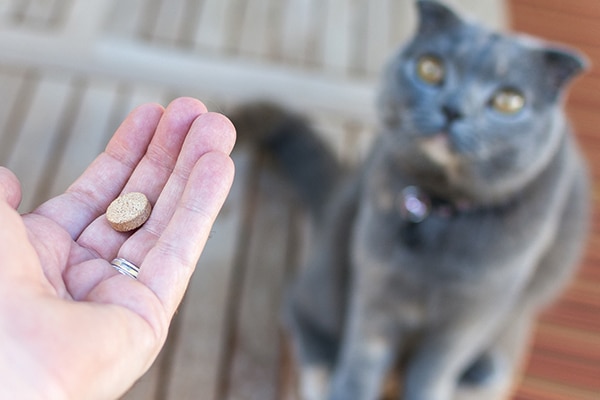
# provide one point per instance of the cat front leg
(362, 371)
(432, 372)
(367, 354)
(315, 345)
(314, 382)
(445, 351)
(503, 358)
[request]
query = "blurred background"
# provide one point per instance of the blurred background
(70, 70)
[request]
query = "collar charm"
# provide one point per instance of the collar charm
(414, 205)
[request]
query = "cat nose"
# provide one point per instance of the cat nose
(451, 113)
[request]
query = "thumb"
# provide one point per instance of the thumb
(10, 188)
(16, 252)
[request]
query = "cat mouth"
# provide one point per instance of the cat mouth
(439, 149)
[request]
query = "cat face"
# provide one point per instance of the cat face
(479, 109)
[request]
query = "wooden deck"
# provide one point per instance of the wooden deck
(70, 70)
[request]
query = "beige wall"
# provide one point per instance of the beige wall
(491, 12)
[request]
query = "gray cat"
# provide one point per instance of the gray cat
(467, 217)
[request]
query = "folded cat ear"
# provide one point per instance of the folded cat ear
(435, 17)
(562, 65)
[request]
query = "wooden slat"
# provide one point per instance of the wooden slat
(88, 137)
(256, 29)
(189, 26)
(576, 314)
(588, 8)
(141, 94)
(564, 362)
(358, 138)
(87, 21)
(219, 28)
(585, 291)
(560, 369)
(560, 339)
(402, 23)
(16, 11)
(12, 85)
(46, 13)
(337, 46)
(358, 36)
(126, 19)
(236, 12)
(169, 17)
(148, 387)
(377, 28)
(590, 271)
(18, 112)
(550, 21)
(203, 332)
(534, 388)
(31, 151)
(331, 128)
(5, 12)
(212, 26)
(255, 365)
(301, 28)
(61, 136)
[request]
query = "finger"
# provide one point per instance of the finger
(160, 288)
(153, 171)
(209, 133)
(168, 266)
(151, 174)
(104, 179)
(10, 188)
(18, 258)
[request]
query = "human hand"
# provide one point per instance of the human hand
(71, 326)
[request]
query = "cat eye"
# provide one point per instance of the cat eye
(430, 69)
(508, 101)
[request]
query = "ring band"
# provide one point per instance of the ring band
(125, 267)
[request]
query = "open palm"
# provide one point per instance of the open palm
(70, 325)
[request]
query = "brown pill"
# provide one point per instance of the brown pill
(128, 212)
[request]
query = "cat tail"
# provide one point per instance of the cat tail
(298, 152)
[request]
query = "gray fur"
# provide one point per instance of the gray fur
(453, 296)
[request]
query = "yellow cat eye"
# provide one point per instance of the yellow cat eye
(508, 101)
(431, 70)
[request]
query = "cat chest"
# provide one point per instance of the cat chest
(438, 233)
(469, 246)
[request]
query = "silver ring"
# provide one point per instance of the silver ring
(125, 267)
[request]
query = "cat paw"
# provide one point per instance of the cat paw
(480, 373)
(314, 383)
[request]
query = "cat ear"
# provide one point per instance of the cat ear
(562, 66)
(435, 17)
